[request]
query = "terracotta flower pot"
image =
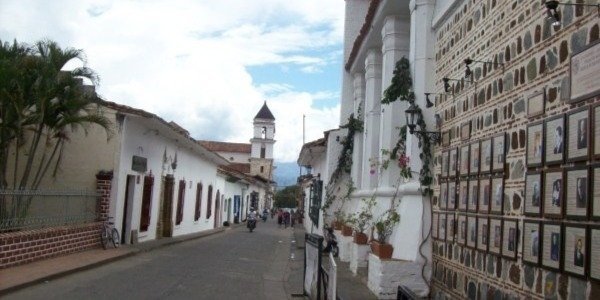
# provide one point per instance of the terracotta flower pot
(346, 230)
(360, 238)
(384, 251)
(337, 225)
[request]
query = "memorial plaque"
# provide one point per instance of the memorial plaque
(555, 139)
(486, 156)
(577, 193)
(554, 194)
(452, 162)
(595, 191)
(510, 235)
(535, 145)
(585, 73)
(552, 255)
(482, 234)
(499, 153)
(595, 253)
(536, 103)
(484, 195)
(464, 160)
(576, 255)
(533, 193)
(462, 229)
(531, 242)
(472, 231)
(473, 195)
(495, 236)
(465, 131)
(497, 195)
(474, 157)
(139, 163)
(578, 137)
(463, 194)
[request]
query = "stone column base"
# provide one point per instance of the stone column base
(345, 246)
(386, 275)
(360, 254)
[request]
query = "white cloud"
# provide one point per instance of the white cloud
(187, 60)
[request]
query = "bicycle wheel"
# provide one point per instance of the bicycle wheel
(116, 240)
(104, 238)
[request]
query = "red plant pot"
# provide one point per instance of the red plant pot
(346, 230)
(384, 251)
(360, 238)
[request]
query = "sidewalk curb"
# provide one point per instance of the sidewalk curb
(135, 250)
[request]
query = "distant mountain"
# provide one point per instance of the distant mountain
(286, 173)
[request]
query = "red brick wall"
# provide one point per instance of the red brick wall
(27, 246)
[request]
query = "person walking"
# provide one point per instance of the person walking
(286, 218)
(293, 217)
(279, 217)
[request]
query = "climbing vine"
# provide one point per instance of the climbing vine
(401, 89)
(344, 163)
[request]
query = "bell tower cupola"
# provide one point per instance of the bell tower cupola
(261, 157)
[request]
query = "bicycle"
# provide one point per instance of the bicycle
(109, 233)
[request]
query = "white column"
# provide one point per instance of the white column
(372, 113)
(396, 44)
(359, 112)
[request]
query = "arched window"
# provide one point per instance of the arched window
(264, 132)
(263, 151)
(198, 201)
(209, 202)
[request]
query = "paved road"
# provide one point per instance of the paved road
(232, 265)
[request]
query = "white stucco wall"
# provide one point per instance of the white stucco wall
(139, 138)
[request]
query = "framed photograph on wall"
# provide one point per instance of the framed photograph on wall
(596, 131)
(473, 194)
(552, 238)
(463, 194)
(594, 261)
(536, 103)
(555, 140)
(444, 166)
(464, 160)
(461, 236)
(531, 242)
(474, 158)
(576, 250)
(451, 194)
(486, 156)
(450, 228)
(577, 192)
(535, 145)
(472, 232)
(444, 195)
(465, 131)
(533, 193)
(452, 164)
(498, 152)
(595, 191)
(434, 225)
(554, 193)
(484, 195)
(483, 232)
(497, 195)
(495, 245)
(510, 235)
(578, 137)
(442, 227)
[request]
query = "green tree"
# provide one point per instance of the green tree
(41, 103)
(286, 197)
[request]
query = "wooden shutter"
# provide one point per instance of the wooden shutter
(180, 197)
(209, 202)
(198, 201)
(146, 202)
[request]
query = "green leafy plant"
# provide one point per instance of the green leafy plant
(401, 89)
(362, 219)
(385, 225)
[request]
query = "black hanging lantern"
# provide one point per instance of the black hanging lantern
(413, 116)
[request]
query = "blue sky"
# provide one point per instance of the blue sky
(207, 65)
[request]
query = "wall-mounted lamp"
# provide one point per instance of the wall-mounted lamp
(468, 62)
(554, 16)
(413, 117)
(447, 86)
(428, 103)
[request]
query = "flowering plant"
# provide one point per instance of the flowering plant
(403, 162)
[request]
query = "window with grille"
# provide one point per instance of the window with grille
(180, 201)
(198, 201)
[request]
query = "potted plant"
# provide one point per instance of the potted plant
(384, 226)
(340, 218)
(362, 220)
(347, 225)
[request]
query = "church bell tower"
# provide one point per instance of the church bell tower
(261, 157)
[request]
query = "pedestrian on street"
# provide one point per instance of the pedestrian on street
(279, 217)
(293, 217)
(286, 218)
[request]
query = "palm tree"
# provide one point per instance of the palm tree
(42, 103)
